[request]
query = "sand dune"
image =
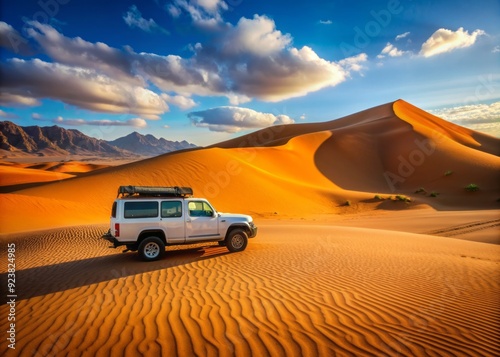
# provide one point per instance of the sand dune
(15, 175)
(71, 167)
(297, 290)
(304, 169)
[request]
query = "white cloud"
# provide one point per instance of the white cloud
(135, 123)
(325, 22)
(496, 49)
(204, 13)
(6, 115)
(257, 36)
(134, 18)
(80, 53)
(84, 88)
(249, 60)
(471, 114)
(403, 35)
(17, 100)
(13, 41)
(391, 51)
(235, 119)
(355, 63)
(480, 117)
(179, 101)
(444, 40)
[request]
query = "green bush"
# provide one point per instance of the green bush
(403, 198)
(472, 187)
(421, 190)
(434, 194)
(448, 173)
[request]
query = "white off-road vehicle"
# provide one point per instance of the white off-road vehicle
(147, 219)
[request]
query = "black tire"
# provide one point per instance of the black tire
(151, 248)
(237, 240)
(222, 243)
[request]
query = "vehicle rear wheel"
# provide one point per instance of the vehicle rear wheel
(151, 248)
(237, 240)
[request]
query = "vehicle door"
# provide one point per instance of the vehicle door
(202, 222)
(172, 221)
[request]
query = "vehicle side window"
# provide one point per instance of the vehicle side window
(113, 210)
(141, 209)
(200, 209)
(170, 209)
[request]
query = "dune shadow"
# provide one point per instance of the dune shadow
(49, 279)
(22, 186)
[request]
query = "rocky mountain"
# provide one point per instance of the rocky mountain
(148, 145)
(55, 140)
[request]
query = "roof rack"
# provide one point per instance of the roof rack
(154, 191)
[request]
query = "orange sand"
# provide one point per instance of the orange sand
(297, 290)
(377, 276)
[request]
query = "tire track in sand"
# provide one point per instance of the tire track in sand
(465, 228)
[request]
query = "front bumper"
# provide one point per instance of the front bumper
(253, 231)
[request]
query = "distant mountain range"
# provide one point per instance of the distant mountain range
(54, 140)
(148, 145)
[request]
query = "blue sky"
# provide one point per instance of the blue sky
(210, 70)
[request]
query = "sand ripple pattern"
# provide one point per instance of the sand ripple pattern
(296, 291)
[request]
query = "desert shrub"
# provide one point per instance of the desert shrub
(403, 198)
(472, 187)
(448, 173)
(378, 197)
(347, 203)
(421, 190)
(434, 194)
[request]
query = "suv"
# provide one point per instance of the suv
(146, 219)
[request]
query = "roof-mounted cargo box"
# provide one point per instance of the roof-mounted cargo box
(154, 191)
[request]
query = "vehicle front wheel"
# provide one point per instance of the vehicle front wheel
(151, 248)
(237, 240)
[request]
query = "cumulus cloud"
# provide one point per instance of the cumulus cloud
(84, 88)
(17, 100)
(444, 40)
(325, 22)
(204, 13)
(179, 101)
(355, 63)
(80, 53)
(391, 51)
(133, 18)
(251, 59)
(234, 119)
(257, 36)
(13, 41)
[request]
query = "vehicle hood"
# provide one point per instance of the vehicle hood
(235, 216)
